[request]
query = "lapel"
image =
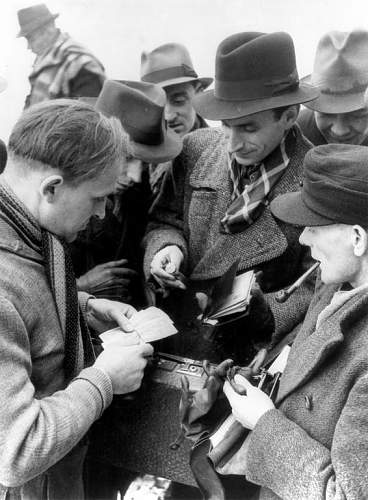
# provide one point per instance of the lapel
(313, 346)
(263, 240)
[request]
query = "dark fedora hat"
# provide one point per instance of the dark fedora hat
(140, 108)
(254, 72)
(335, 188)
(340, 72)
(170, 64)
(34, 17)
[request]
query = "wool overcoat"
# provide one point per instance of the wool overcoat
(42, 416)
(194, 197)
(314, 446)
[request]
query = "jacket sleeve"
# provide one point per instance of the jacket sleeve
(85, 84)
(37, 433)
(165, 225)
(282, 457)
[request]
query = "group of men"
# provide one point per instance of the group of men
(242, 192)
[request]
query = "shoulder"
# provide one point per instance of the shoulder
(206, 140)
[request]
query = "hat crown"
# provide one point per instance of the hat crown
(166, 56)
(34, 17)
(255, 65)
(341, 61)
(138, 105)
(252, 55)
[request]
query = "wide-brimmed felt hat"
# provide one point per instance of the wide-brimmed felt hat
(32, 18)
(170, 64)
(254, 72)
(140, 108)
(340, 72)
(334, 191)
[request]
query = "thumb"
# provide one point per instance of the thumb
(202, 300)
(242, 381)
(122, 321)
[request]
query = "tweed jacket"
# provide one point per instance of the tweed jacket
(194, 198)
(315, 444)
(42, 419)
(307, 123)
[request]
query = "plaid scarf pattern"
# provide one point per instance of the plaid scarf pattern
(250, 200)
(60, 275)
(53, 70)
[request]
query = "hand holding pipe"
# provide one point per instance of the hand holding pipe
(283, 295)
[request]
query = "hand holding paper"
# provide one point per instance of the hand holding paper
(250, 408)
(148, 325)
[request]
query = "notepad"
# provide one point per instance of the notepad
(231, 294)
(149, 325)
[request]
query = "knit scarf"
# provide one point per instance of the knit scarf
(60, 275)
(53, 70)
(249, 202)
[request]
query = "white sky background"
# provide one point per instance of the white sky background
(118, 30)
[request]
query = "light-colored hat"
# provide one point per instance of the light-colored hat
(254, 72)
(140, 108)
(170, 64)
(32, 18)
(340, 72)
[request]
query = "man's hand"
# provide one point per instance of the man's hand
(165, 267)
(103, 314)
(250, 408)
(111, 279)
(124, 365)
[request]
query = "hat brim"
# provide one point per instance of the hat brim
(290, 208)
(211, 107)
(169, 149)
(205, 82)
(335, 103)
(32, 27)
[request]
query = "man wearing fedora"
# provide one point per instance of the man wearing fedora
(340, 72)
(107, 254)
(313, 442)
(215, 210)
(63, 67)
(170, 66)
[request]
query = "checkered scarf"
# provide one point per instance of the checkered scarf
(248, 203)
(59, 271)
(53, 70)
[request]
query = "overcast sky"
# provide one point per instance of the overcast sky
(118, 30)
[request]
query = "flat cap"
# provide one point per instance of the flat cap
(334, 191)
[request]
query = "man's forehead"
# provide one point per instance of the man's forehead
(179, 89)
(261, 117)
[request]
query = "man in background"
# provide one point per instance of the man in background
(170, 66)
(63, 67)
(340, 72)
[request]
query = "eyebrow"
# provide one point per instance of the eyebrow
(244, 124)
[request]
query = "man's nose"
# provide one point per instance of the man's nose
(340, 126)
(170, 112)
(303, 238)
(236, 141)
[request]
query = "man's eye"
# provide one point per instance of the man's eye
(179, 101)
(251, 129)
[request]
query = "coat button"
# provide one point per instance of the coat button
(308, 402)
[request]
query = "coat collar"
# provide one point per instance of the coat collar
(313, 346)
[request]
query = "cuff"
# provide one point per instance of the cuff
(100, 382)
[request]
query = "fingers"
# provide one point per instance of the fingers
(147, 350)
(239, 379)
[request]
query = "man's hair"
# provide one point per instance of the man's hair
(67, 135)
(278, 112)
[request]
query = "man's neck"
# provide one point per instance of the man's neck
(26, 189)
